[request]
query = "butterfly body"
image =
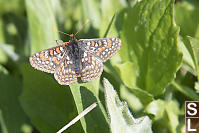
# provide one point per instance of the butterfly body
(76, 58)
(76, 52)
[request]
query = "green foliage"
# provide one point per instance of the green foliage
(186, 16)
(46, 102)
(155, 71)
(152, 45)
(41, 23)
(12, 116)
(121, 120)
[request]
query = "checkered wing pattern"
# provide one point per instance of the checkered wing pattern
(103, 48)
(47, 60)
(92, 67)
(65, 72)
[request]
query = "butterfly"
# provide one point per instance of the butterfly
(77, 58)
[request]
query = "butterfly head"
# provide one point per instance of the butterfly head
(72, 38)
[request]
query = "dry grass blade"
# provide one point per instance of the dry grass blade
(91, 107)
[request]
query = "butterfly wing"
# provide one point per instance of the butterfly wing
(92, 67)
(103, 48)
(48, 59)
(65, 73)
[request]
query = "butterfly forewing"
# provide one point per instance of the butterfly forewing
(92, 67)
(48, 59)
(103, 48)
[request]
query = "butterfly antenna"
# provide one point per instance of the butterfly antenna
(61, 32)
(86, 22)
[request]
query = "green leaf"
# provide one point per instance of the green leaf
(186, 16)
(49, 105)
(84, 95)
(192, 45)
(186, 48)
(172, 110)
(150, 42)
(196, 86)
(166, 114)
(3, 70)
(109, 11)
(128, 75)
(195, 47)
(12, 117)
(109, 26)
(133, 101)
(91, 12)
(121, 120)
(41, 23)
(189, 92)
(3, 57)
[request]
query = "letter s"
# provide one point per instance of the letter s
(192, 108)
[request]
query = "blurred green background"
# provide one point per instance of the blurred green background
(155, 71)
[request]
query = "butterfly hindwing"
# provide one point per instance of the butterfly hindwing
(65, 73)
(92, 67)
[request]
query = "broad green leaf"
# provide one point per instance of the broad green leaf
(12, 117)
(121, 120)
(49, 105)
(128, 74)
(187, 17)
(166, 113)
(150, 42)
(84, 95)
(41, 24)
